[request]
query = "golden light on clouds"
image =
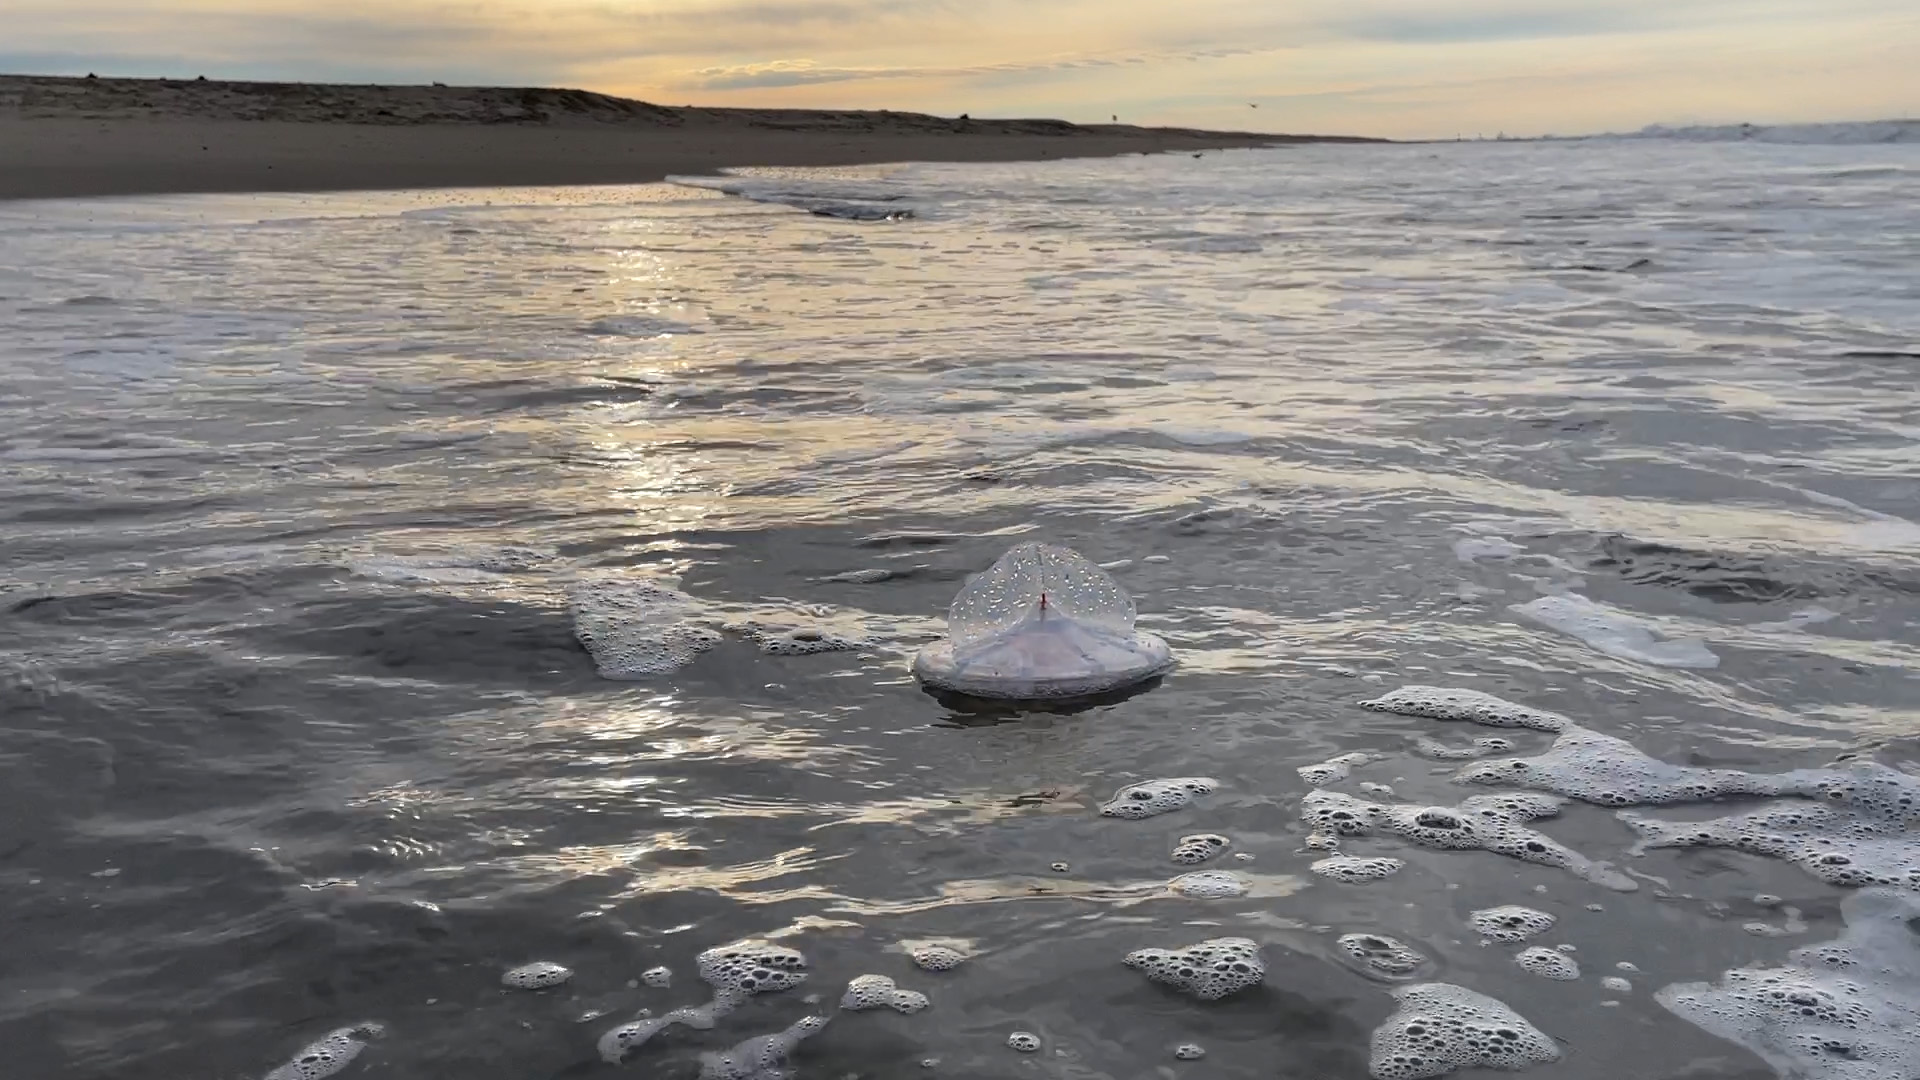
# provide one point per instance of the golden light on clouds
(1383, 67)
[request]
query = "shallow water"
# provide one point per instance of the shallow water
(288, 745)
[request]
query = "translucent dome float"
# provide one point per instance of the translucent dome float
(1042, 622)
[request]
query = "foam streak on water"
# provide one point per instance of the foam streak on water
(311, 509)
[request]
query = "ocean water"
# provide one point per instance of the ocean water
(295, 732)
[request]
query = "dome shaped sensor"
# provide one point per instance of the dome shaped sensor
(1041, 623)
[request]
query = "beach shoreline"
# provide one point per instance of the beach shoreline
(88, 137)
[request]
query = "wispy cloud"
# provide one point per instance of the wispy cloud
(1398, 67)
(786, 73)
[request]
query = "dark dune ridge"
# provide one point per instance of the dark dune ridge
(66, 136)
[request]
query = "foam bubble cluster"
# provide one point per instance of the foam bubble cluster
(1478, 748)
(1333, 769)
(1834, 845)
(736, 972)
(1199, 847)
(937, 958)
(1211, 885)
(1445, 703)
(1586, 765)
(634, 628)
(1439, 1028)
(879, 992)
(763, 1057)
(1381, 956)
(1026, 1042)
(657, 977)
(538, 975)
(1850, 825)
(1547, 963)
(1209, 970)
(1042, 622)
(1493, 823)
(1510, 923)
(779, 640)
(1189, 1052)
(1354, 870)
(328, 1054)
(1617, 984)
(618, 1042)
(754, 967)
(1847, 1009)
(1155, 797)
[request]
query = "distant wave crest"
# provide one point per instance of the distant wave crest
(1848, 134)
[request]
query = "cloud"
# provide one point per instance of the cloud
(1426, 28)
(788, 73)
(1401, 67)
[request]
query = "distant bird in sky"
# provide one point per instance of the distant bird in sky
(1251, 105)
(1116, 118)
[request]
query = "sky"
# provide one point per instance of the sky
(1394, 68)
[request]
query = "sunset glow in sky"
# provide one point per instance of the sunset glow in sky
(1373, 67)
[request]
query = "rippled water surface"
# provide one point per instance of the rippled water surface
(290, 742)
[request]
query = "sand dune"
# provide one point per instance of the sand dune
(95, 136)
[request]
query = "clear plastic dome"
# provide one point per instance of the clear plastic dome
(1042, 622)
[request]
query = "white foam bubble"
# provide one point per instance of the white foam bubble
(1493, 823)
(1026, 1042)
(1209, 970)
(1439, 1028)
(657, 977)
(538, 975)
(763, 1057)
(1333, 769)
(1834, 844)
(786, 639)
(879, 992)
(1547, 963)
(755, 967)
(635, 628)
(1042, 622)
(1189, 1052)
(937, 958)
(1354, 870)
(1479, 748)
(1617, 984)
(1450, 703)
(1596, 768)
(1199, 847)
(1850, 825)
(1211, 885)
(1153, 797)
(1510, 923)
(736, 972)
(328, 1054)
(1614, 632)
(1847, 1009)
(1381, 957)
(619, 1041)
